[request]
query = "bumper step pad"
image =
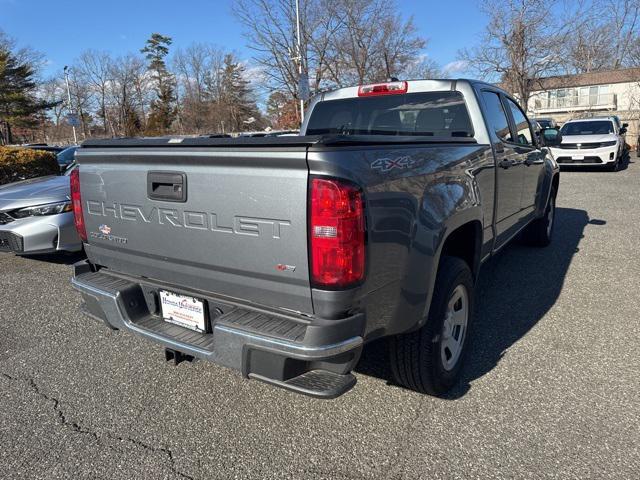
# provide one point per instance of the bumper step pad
(315, 383)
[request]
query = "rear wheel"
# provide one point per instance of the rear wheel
(540, 232)
(429, 360)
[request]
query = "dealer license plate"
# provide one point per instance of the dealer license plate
(183, 310)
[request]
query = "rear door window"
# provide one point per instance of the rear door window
(433, 114)
(496, 116)
(523, 129)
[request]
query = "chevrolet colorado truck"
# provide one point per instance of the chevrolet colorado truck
(281, 257)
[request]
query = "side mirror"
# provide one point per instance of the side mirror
(551, 137)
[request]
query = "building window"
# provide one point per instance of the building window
(596, 95)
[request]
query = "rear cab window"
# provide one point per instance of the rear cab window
(432, 114)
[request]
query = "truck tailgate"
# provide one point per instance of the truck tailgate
(232, 222)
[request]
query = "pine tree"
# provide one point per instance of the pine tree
(163, 109)
(242, 111)
(19, 105)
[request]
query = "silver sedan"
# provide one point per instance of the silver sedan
(36, 216)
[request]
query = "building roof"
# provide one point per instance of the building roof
(624, 75)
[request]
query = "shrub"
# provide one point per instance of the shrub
(22, 163)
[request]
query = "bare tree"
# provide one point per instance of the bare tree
(603, 36)
(143, 91)
(198, 70)
(374, 43)
(125, 106)
(81, 100)
(424, 67)
(319, 34)
(634, 53)
(344, 42)
(96, 68)
(53, 90)
(270, 30)
(625, 22)
(590, 46)
(521, 44)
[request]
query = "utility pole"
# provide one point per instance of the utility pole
(66, 77)
(299, 57)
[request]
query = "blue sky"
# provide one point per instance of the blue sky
(61, 29)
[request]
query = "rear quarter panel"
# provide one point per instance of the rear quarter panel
(415, 196)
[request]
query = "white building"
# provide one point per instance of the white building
(615, 92)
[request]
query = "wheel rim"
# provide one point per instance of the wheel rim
(454, 328)
(551, 216)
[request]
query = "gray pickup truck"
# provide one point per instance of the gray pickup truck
(282, 257)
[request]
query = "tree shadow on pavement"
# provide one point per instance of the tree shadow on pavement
(515, 290)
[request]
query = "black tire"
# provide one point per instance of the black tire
(538, 233)
(416, 357)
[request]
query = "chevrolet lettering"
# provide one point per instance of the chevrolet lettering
(172, 217)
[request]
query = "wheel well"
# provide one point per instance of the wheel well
(555, 183)
(464, 242)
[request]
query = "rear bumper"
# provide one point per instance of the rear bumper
(46, 234)
(266, 345)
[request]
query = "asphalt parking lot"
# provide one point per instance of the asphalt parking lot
(550, 390)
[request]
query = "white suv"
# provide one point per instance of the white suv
(591, 141)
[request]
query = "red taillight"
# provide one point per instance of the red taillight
(336, 232)
(388, 88)
(76, 202)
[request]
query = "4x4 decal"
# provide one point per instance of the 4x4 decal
(388, 164)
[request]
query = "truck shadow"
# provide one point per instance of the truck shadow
(515, 290)
(61, 258)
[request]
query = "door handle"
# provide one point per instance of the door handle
(504, 163)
